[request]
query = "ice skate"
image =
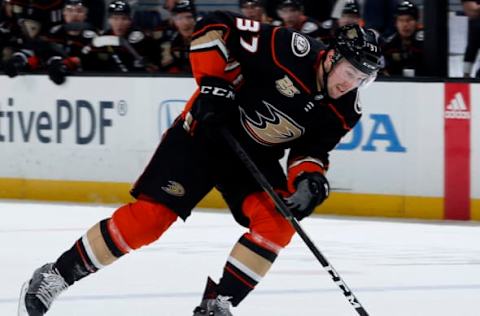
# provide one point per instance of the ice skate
(38, 293)
(213, 304)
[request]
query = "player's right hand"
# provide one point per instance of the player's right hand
(311, 189)
(213, 106)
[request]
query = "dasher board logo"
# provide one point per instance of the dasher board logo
(285, 86)
(457, 108)
(168, 111)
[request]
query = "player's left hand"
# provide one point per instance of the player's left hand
(57, 70)
(311, 189)
(213, 106)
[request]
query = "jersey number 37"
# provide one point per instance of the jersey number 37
(252, 26)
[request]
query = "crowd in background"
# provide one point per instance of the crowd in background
(63, 37)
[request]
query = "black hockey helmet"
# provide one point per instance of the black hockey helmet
(351, 7)
(184, 6)
(407, 8)
(297, 4)
(256, 3)
(119, 7)
(360, 47)
(73, 3)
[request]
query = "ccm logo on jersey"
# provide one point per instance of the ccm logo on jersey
(300, 45)
(219, 92)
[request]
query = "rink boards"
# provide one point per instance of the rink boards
(416, 152)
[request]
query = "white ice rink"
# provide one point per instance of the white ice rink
(394, 268)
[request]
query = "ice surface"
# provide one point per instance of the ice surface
(393, 267)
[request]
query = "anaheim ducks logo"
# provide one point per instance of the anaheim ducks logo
(274, 128)
(174, 188)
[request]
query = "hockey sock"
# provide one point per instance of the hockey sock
(91, 252)
(249, 261)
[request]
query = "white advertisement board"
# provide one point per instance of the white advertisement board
(104, 129)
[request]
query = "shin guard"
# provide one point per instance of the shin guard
(131, 226)
(255, 252)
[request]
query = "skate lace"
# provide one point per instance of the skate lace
(223, 305)
(51, 286)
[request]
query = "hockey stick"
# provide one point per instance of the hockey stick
(285, 211)
(118, 41)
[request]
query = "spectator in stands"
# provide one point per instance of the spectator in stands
(292, 16)
(175, 47)
(129, 50)
(404, 49)
(472, 10)
(255, 10)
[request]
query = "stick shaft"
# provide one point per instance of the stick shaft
(285, 211)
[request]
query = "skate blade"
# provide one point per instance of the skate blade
(22, 309)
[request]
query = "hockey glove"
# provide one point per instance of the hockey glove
(214, 105)
(59, 68)
(311, 189)
(14, 65)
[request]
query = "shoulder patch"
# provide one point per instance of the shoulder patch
(135, 37)
(309, 27)
(286, 87)
(419, 36)
(300, 45)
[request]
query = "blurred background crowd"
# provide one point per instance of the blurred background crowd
(63, 37)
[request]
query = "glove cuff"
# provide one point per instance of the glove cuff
(216, 82)
(304, 165)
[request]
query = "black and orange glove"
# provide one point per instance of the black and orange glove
(214, 105)
(58, 68)
(311, 189)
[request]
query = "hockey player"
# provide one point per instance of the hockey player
(255, 10)
(350, 14)
(28, 21)
(175, 46)
(70, 43)
(138, 51)
(273, 88)
(404, 49)
(292, 15)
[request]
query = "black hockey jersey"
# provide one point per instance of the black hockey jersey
(404, 54)
(77, 43)
(275, 72)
